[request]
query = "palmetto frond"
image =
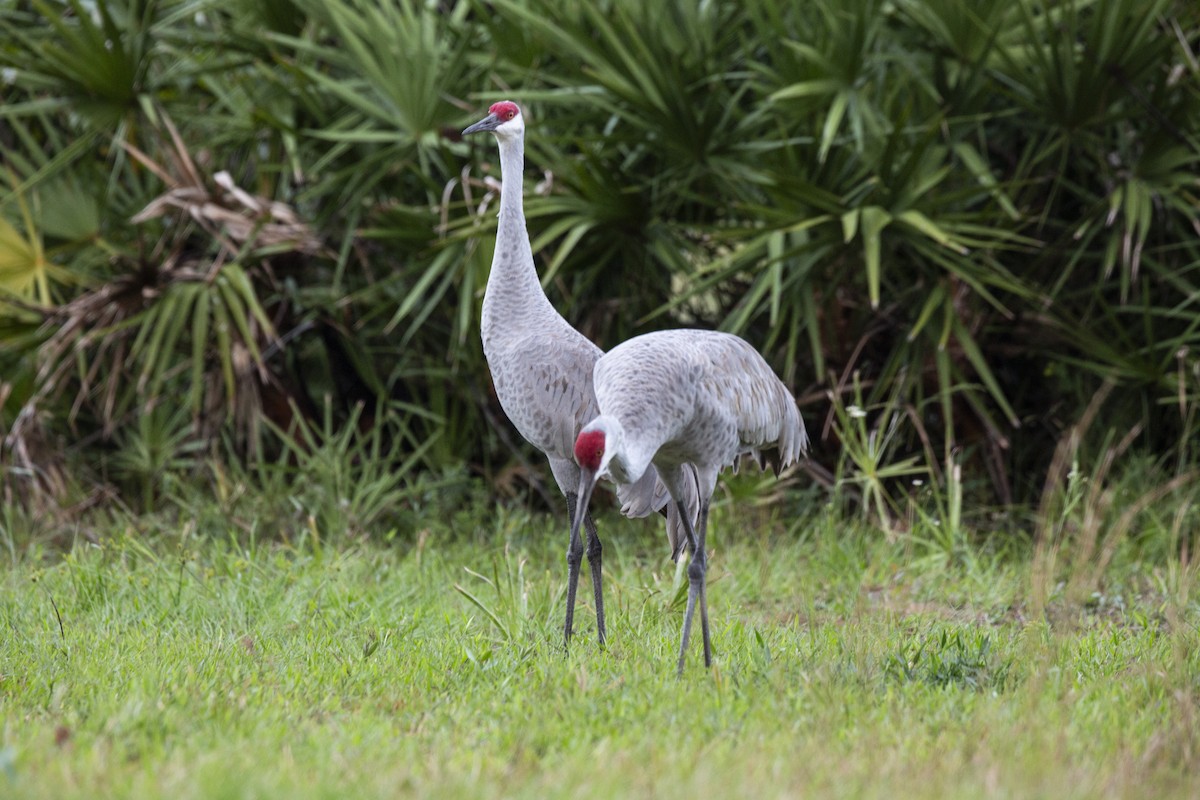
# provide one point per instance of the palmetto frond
(983, 209)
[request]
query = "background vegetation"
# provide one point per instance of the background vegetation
(231, 232)
(250, 459)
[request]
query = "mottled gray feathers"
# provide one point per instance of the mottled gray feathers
(707, 395)
(540, 365)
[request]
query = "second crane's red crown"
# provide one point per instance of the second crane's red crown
(505, 110)
(589, 449)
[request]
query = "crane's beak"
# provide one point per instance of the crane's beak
(587, 483)
(488, 123)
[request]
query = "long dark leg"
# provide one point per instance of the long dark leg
(574, 558)
(702, 554)
(695, 586)
(594, 562)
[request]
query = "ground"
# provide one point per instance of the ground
(158, 663)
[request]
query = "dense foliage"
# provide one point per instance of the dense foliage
(947, 223)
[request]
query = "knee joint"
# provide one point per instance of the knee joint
(696, 570)
(594, 548)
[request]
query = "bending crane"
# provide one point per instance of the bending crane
(680, 397)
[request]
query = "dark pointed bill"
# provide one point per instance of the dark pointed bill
(488, 123)
(587, 483)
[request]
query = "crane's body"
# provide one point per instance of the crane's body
(542, 367)
(681, 397)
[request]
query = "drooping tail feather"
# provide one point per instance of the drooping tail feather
(676, 532)
(649, 496)
(643, 498)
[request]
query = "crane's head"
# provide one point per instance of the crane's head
(600, 450)
(504, 119)
(589, 449)
(595, 447)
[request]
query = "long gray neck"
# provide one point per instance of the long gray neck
(633, 462)
(514, 293)
(629, 461)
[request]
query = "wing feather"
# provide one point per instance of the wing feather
(658, 379)
(764, 410)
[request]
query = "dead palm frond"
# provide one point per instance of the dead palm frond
(234, 219)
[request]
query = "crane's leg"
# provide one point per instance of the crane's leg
(574, 559)
(594, 558)
(702, 553)
(695, 586)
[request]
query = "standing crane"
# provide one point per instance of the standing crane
(680, 397)
(542, 367)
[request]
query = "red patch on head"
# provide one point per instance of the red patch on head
(505, 110)
(589, 449)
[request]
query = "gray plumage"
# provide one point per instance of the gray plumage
(704, 397)
(541, 366)
(680, 397)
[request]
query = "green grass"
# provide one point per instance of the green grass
(160, 664)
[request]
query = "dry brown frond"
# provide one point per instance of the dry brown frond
(32, 469)
(232, 216)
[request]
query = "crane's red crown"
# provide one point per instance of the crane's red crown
(589, 449)
(505, 110)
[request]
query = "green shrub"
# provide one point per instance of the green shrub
(962, 218)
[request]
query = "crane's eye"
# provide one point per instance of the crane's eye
(510, 114)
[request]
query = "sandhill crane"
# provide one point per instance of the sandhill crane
(542, 367)
(680, 396)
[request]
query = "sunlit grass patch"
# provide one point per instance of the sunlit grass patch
(846, 666)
